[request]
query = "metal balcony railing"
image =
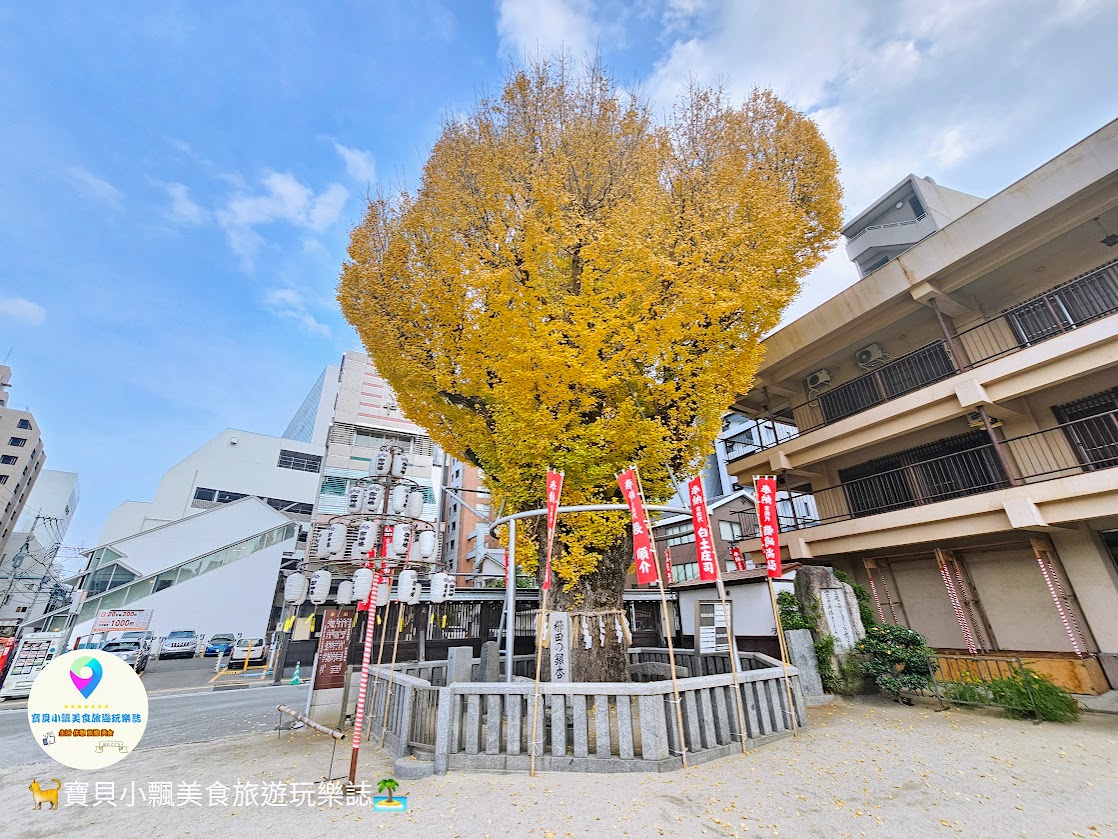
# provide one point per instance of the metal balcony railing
(904, 223)
(1085, 445)
(1061, 309)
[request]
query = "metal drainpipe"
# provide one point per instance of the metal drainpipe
(952, 348)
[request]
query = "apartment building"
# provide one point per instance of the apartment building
(953, 419)
(364, 416)
(467, 547)
(21, 458)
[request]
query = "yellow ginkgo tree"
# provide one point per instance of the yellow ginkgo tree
(577, 284)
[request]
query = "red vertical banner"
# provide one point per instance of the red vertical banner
(704, 540)
(668, 566)
(554, 490)
(735, 555)
(643, 557)
(764, 487)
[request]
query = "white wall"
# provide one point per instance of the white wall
(247, 466)
(55, 494)
(751, 605)
(153, 550)
(235, 598)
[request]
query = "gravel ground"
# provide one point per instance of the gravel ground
(868, 769)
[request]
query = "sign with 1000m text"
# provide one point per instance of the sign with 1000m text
(122, 620)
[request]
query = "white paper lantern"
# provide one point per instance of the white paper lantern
(295, 589)
(426, 543)
(401, 538)
(320, 587)
(398, 499)
(356, 496)
(345, 593)
(337, 539)
(362, 584)
(407, 588)
(399, 465)
(416, 499)
(322, 543)
(374, 499)
(381, 463)
(366, 540)
(384, 590)
(442, 587)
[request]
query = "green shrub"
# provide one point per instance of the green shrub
(791, 616)
(896, 658)
(1029, 693)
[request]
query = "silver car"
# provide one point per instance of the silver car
(181, 643)
(131, 653)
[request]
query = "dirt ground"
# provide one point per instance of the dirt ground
(875, 769)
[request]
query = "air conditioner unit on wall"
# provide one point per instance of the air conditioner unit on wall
(818, 380)
(870, 357)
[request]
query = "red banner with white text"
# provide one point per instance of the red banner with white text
(739, 561)
(643, 556)
(554, 490)
(705, 553)
(765, 493)
(668, 566)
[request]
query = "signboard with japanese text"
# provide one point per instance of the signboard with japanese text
(712, 635)
(333, 649)
(837, 614)
(644, 559)
(559, 635)
(668, 566)
(735, 555)
(121, 620)
(705, 553)
(765, 493)
(554, 490)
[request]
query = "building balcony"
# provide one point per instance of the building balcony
(889, 236)
(1034, 482)
(997, 359)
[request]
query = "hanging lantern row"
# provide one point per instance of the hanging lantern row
(331, 542)
(298, 589)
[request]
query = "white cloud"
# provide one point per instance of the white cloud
(289, 303)
(19, 308)
(183, 209)
(359, 164)
(529, 27)
(97, 188)
(284, 199)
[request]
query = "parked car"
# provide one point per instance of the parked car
(179, 644)
(255, 649)
(131, 653)
(220, 644)
(144, 638)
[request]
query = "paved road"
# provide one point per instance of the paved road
(190, 718)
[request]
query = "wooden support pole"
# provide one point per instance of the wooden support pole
(783, 658)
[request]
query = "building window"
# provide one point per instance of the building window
(18, 442)
(333, 485)
(679, 534)
(3, 479)
(20, 609)
(285, 506)
(205, 494)
(8, 459)
(1091, 426)
(24, 423)
(730, 531)
(300, 461)
(224, 496)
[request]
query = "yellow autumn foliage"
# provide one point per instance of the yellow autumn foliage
(577, 285)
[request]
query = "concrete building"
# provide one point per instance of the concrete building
(54, 500)
(311, 422)
(364, 416)
(21, 458)
(213, 571)
(281, 472)
(466, 546)
(955, 417)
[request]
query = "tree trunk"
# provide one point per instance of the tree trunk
(595, 593)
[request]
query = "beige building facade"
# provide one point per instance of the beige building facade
(21, 458)
(951, 423)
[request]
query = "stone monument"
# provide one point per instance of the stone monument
(833, 606)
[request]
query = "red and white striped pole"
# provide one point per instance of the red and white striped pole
(363, 686)
(957, 606)
(1059, 605)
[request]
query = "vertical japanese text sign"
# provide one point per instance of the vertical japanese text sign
(704, 539)
(765, 493)
(643, 557)
(554, 490)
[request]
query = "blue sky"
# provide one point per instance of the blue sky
(177, 180)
